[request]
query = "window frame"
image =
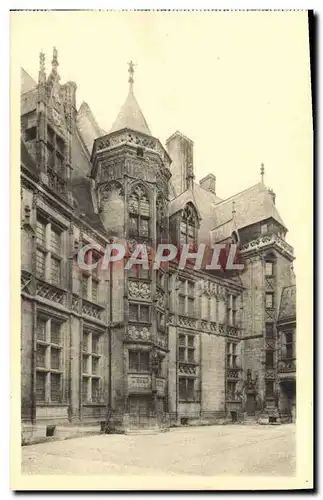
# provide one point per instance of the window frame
(46, 369)
(89, 355)
(44, 247)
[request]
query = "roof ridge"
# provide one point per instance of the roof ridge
(240, 193)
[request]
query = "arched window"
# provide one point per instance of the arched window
(139, 213)
(188, 226)
(160, 218)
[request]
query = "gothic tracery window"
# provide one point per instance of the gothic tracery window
(139, 213)
(188, 229)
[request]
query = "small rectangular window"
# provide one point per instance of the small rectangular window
(269, 301)
(144, 313)
(95, 389)
(41, 329)
(55, 358)
(55, 271)
(40, 386)
(269, 330)
(40, 263)
(269, 359)
(269, 388)
(264, 228)
(41, 232)
(268, 268)
(55, 332)
(55, 387)
(55, 241)
(41, 356)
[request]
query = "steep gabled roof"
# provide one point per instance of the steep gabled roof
(130, 116)
(252, 205)
(87, 126)
(27, 82)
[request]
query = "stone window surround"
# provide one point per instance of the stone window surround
(45, 245)
(48, 345)
(89, 354)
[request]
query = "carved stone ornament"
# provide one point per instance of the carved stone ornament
(136, 333)
(139, 290)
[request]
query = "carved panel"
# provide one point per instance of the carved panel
(160, 298)
(75, 303)
(270, 344)
(232, 374)
(139, 290)
(160, 386)
(91, 309)
(139, 383)
(209, 326)
(161, 340)
(186, 369)
(138, 333)
(232, 331)
(25, 279)
(185, 321)
(270, 374)
(50, 292)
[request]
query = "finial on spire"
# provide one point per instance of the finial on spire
(131, 71)
(54, 60)
(262, 172)
(233, 209)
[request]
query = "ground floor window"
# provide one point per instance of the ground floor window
(49, 363)
(186, 387)
(91, 366)
(231, 390)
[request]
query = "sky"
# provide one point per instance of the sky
(236, 83)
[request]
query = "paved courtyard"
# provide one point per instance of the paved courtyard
(216, 450)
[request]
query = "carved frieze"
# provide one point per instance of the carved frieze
(267, 240)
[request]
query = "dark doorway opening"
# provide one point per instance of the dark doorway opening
(234, 416)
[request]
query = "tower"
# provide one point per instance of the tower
(130, 171)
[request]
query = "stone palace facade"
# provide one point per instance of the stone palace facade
(142, 348)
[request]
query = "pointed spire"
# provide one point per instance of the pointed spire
(262, 172)
(41, 73)
(130, 115)
(54, 61)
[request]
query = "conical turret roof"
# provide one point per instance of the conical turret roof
(130, 115)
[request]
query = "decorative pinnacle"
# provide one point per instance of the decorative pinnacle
(42, 62)
(262, 172)
(42, 74)
(54, 60)
(131, 71)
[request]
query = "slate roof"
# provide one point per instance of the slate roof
(88, 127)
(27, 82)
(287, 309)
(130, 116)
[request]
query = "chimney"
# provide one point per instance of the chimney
(208, 183)
(180, 149)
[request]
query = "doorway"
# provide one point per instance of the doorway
(251, 404)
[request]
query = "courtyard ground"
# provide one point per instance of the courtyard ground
(213, 450)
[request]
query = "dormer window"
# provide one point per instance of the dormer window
(188, 226)
(264, 228)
